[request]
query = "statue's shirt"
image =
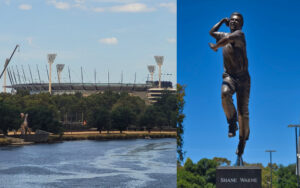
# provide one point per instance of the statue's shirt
(234, 53)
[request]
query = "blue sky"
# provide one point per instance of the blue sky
(114, 35)
(271, 29)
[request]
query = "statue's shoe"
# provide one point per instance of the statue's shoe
(239, 161)
(232, 130)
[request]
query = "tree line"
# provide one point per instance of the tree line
(203, 174)
(104, 111)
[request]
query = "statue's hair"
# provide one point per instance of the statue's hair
(240, 15)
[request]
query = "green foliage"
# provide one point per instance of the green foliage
(106, 111)
(22, 92)
(99, 117)
(203, 174)
(122, 117)
(222, 161)
(43, 118)
(136, 104)
(153, 117)
(9, 117)
(286, 176)
(179, 117)
(266, 175)
(148, 119)
(167, 108)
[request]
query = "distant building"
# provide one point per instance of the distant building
(155, 93)
(147, 91)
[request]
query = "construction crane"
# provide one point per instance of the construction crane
(5, 66)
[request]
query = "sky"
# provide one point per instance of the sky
(271, 29)
(106, 35)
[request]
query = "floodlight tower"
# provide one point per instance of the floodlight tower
(5, 66)
(4, 78)
(159, 60)
(151, 69)
(59, 68)
(51, 58)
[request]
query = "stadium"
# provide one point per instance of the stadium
(149, 91)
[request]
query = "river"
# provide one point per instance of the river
(108, 164)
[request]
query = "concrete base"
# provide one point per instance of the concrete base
(238, 177)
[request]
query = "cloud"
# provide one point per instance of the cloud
(171, 40)
(7, 2)
(134, 7)
(110, 41)
(171, 6)
(60, 5)
(80, 1)
(25, 7)
(115, 1)
(130, 7)
(80, 6)
(98, 9)
(29, 40)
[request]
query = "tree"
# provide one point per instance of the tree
(148, 119)
(9, 117)
(167, 104)
(23, 92)
(99, 117)
(286, 176)
(202, 174)
(42, 117)
(180, 116)
(122, 117)
(161, 119)
(207, 168)
(136, 104)
(222, 161)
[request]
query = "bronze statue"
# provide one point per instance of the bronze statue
(24, 126)
(236, 78)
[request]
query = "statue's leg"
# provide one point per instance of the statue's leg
(242, 94)
(240, 151)
(228, 89)
(22, 129)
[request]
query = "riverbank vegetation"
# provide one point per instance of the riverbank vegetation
(180, 117)
(5, 141)
(203, 174)
(111, 136)
(105, 111)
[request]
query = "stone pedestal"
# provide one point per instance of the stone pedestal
(238, 177)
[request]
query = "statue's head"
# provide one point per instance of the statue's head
(236, 21)
(22, 115)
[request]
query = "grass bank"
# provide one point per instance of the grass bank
(112, 136)
(5, 141)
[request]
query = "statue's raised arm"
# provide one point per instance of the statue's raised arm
(214, 30)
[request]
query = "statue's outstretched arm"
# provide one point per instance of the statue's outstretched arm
(214, 30)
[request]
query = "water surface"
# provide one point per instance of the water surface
(122, 163)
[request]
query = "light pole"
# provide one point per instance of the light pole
(51, 58)
(297, 165)
(59, 68)
(159, 60)
(271, 165)
(5, 66)
(4, 79)
(151, 69)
